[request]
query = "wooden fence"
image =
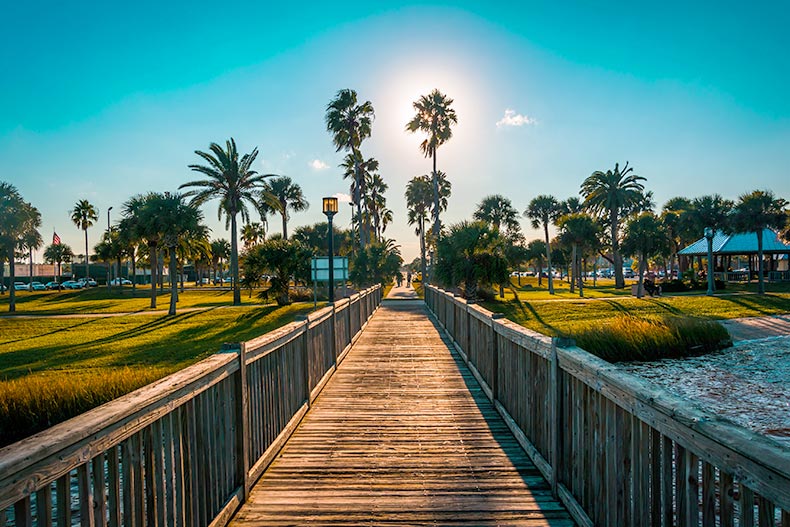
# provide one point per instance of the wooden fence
(185, 450)
(617, 450)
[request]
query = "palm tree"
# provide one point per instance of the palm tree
(675, 219)
(350, 123)
(497, 210)
(537, 250)
(418, 201)
(141, 222)
(288, 196)
(436, 118)
(179, 220)
(233, 182)
(613, 194)
(31, 239)
(220, 250)
(544, 210)
(755, 212)
(18, 220)
(253, 234)
(644, 238)
(57, 253)
(580, 231)
(84, 215)
(375, 202)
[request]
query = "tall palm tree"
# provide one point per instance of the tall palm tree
(84, 215)
(142, 222)
(755, 212)
(288, 197)
(644, 238)
(613, 194)
(498, 211)
(675, 218)
(232, 181)
(537, 250)
(375, 202)
(580, 231)
(544, 210)
(253, 234)
(57, 253)
(32, 240)
(220, 250)
(17, 221)
(179, 220)
(350, 122)
(436, 117)
(419, 197)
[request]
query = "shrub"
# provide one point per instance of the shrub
(673, 286)
(628, 338)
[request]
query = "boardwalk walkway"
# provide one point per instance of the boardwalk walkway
(402, 435)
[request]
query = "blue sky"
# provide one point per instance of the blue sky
(101, 102)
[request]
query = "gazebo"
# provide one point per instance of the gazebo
(727, 247)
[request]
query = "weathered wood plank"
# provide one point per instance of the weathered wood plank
(402, 432)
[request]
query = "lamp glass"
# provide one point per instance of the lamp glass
(330, 205)
(708, 232)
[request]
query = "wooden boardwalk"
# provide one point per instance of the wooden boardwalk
(402, 435)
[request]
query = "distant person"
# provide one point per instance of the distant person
(408, 279)
(399, 278)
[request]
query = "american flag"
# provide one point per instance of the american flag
(55, 239)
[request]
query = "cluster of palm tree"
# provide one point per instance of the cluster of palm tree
(19, 232)
(351, 122)
(434, 117)
(614, 219)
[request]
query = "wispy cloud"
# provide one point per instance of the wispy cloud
(317, 164)
(343, 198)
(511, 118)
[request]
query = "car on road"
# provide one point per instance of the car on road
(71, 284)
(20, 286)
(120, 281)
(52, 285)
(87, 282)
(36, 286)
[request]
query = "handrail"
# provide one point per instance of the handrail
(617, 449)
(184, 450)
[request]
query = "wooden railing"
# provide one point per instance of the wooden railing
(187, 449)
(617, 450)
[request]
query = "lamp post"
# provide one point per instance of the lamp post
(330, 209)
(709, 237)
(109, 273)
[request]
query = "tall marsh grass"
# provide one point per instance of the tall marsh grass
(37, 401)
(629, 338)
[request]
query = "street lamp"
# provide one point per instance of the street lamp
(709, 237)
(330, 209)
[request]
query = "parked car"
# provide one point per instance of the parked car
(20, 286)
(87, 282)
(71, 284)
(36, 286)
(120, 281)
(52, 285)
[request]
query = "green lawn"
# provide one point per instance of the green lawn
(54, 368)
(100, 300)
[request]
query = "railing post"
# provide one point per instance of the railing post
(554, 405)
(335, 351)
(305, 352)
(495, 356)
(242, 420)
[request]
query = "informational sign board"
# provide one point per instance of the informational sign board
(319, 269)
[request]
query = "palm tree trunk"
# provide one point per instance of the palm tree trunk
(152, 252)
(134, 272)
(86, 253)
(436, 202)
(540, 271)
(173, 283)
(2, 276)
(548, 257)
(11, 277)
(581, 277)
(641, 281)
(285, 222)
(760, 280)
(619, 280)
(234, 261)
(423, 263)
(574, 268)
(31, 264)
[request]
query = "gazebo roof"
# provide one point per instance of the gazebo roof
(742, 244)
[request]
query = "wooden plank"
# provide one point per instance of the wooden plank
(726, 502)
(86, 496)
(402, 433)
(746, 503)
(23, 513)
(43, 507)
(113, 488)
(708, 495)
(63, 491)
(99, 491)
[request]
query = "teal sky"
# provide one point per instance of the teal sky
(102, 102)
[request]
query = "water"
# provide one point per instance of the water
(748, 383)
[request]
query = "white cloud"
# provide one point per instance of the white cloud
(342, 198)
(317, 164)
(511, 118)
